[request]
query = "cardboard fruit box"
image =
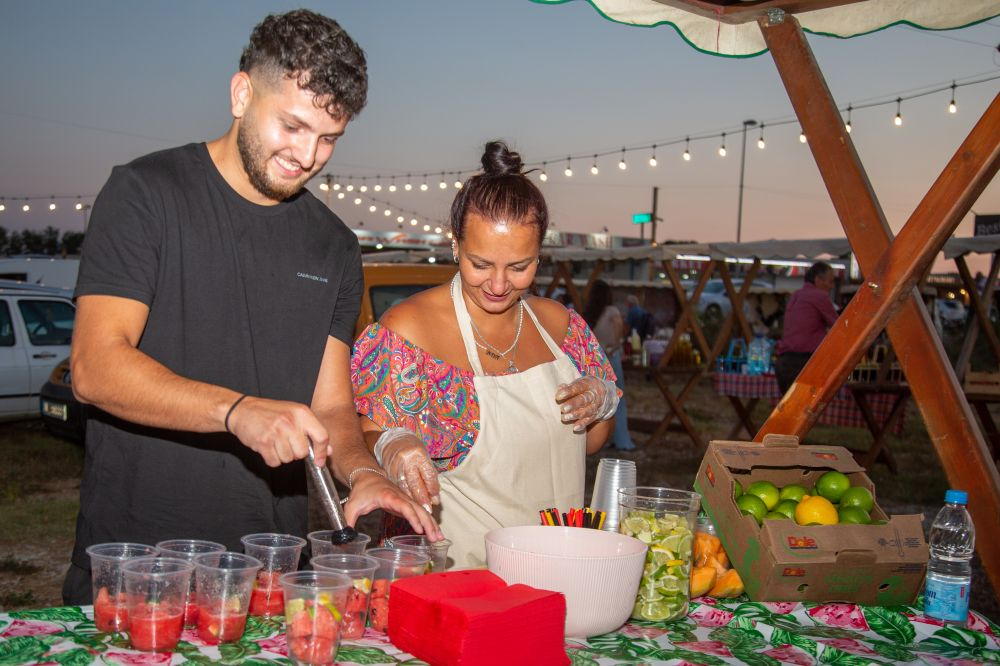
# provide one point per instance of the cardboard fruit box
(783, 561)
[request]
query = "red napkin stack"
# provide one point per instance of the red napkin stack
(465, 618)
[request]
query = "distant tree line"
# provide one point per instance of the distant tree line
(50, 241)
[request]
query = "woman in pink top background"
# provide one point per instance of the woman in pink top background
(808, 316)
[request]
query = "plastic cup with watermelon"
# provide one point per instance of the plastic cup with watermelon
(437, 550)
(224, 582)
(393, 564)
(110, 600)
(156, 589)
(663, 519)
(321, 543)
(279, 554)
(186, 549)
(361, 570)
(315, 603)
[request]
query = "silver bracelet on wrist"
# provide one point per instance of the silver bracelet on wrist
(350, 477)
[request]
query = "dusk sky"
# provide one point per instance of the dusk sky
(88, 85)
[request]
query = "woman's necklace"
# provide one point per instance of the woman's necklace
(492, 351)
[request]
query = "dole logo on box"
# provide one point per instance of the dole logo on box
(802, 543)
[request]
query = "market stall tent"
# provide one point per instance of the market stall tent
(892, 266)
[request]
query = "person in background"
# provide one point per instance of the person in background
(217, 300)
(478, 399)
(637, 318)
(605, 319)
(808, 316)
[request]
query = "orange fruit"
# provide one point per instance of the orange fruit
(816, 511)
(752, 505)
(858, 496)
(766, 491)
(833, 485)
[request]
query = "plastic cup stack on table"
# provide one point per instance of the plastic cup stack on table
(157, 589)
(315, 602)
(320, 543)
(224, 583)
(106, 560)
(612, 474)
(664, 520)
(392, 565)
(361, 570)
(279, 553)
(437, 550)
(186, 549)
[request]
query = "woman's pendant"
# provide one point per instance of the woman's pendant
(511, 368)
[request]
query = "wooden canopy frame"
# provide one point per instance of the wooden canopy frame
(892, 268)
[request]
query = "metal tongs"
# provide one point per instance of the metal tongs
(328, 497)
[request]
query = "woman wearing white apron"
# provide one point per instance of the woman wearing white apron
(479, 402)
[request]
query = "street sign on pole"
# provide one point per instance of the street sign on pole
(642, 218)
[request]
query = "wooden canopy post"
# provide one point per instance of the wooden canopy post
(892, 269)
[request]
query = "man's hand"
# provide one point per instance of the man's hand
(279, 431)
(372, 491)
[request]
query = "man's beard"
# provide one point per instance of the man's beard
(255, 164)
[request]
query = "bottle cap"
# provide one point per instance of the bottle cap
(956, 497)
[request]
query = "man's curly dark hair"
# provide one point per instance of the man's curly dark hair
(317, 52)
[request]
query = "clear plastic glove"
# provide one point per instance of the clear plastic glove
(586, 400)
(404, 458)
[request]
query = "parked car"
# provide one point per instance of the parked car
(951, 312)
(385, 285)
(714, 302)
(36, 327)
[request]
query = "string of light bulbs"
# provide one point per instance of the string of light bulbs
(388, 209)
(352, 185)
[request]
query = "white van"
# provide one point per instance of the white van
(36, 327)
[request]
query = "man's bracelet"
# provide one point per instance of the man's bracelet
(231, 410)
(350, 477)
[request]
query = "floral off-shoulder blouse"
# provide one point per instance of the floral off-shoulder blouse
(397, 384)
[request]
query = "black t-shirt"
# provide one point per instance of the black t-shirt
(240, 295)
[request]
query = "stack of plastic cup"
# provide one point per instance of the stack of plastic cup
(157, 589)
(315, 602)
(612, 474)
(437, 550)
(106, 559)
(224, 583)
(279, 553)
(186, 549)
(664, 519)
(393, 564)
(361, 570)
(320, 543)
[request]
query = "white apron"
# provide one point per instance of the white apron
(524, 459)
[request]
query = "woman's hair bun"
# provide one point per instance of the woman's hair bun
(499, 160)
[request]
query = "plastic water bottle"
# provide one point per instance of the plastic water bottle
(758, 355)
(949, 573)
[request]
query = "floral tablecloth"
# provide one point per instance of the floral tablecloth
(715, 632)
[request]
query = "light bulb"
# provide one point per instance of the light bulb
(79, 206)
(431, 260)
(423, 187)
(568, 172)
(324, 187)
(848, 127)
(372, 208)
(377, 187)
(952, 107)
(760, 143)
(594, 170)
(407, 187)
(363, 188)
(898, 120)
(336, 186)
(357, 201)
(52, 206)
(413, 222)
(621, 162)
(458, 184)
(25, 208)
(392, 187)
(802, 137)
(340, 195)
(427, 227)
(437, 230)
(379, 246)
(3, 207)
(722, 148)
(350, 187)
(652, 161)
(387, 212)
(400, 219)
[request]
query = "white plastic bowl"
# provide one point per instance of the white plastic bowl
(597, 571)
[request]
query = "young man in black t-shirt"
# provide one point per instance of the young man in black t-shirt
(216, 307)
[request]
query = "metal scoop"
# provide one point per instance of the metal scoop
(328, 497)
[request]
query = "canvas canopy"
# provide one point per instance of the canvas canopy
(729, 29)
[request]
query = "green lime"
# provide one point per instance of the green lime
(792, 491)
(752, 505)
(833, 485)
(854, 515)
(858, 496)
(787, 507)
(774, 515)
(737, 489)
(766, 491)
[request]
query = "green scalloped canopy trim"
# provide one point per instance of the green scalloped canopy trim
(763, 51)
